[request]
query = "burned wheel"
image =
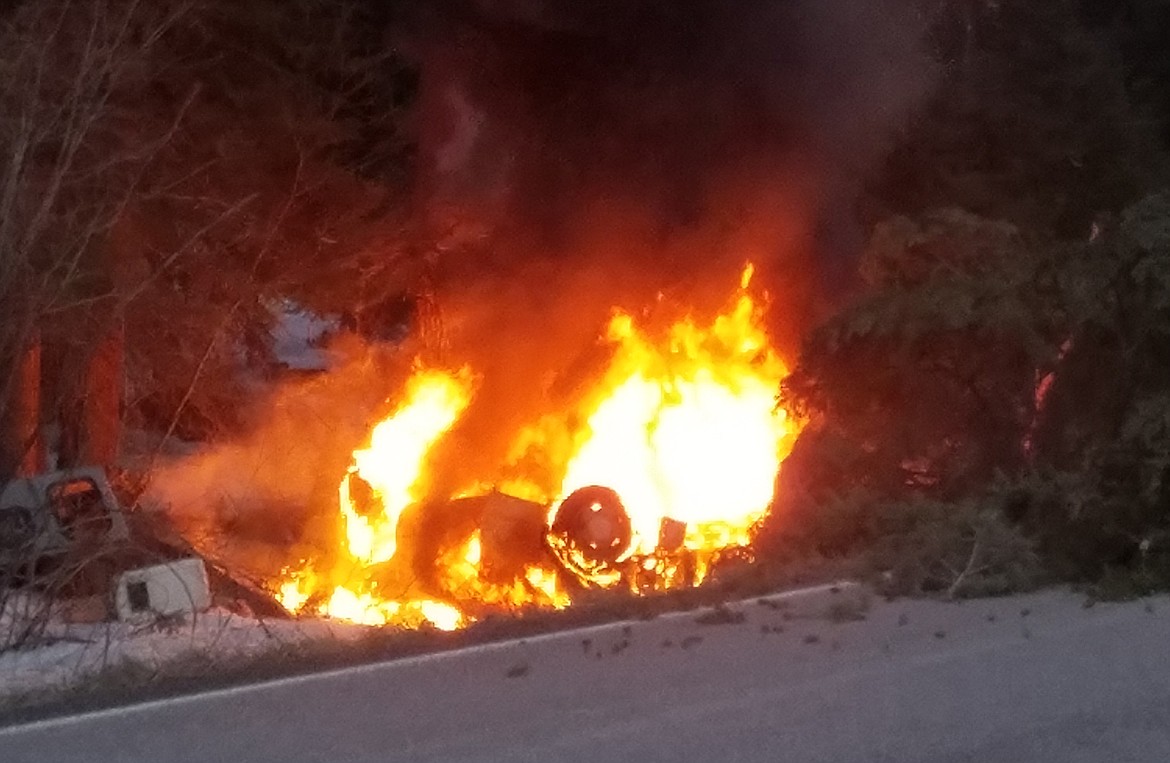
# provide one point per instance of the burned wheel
(591, 533)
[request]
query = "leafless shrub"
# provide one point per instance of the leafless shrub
(75, 146)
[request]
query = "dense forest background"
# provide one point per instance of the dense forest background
(990, 388)
(995, 399)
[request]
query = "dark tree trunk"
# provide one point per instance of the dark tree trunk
(90, 411)
(102, 410)
(21, 447)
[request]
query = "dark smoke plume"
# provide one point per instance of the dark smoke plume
(545, 117)
(576, 155)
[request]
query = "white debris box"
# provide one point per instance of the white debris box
(165, 589)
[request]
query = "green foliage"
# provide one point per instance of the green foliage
(1113, 454)
(931, 374)
(914, 546)
(982, 372)
(1115, 296)
(1094, 525)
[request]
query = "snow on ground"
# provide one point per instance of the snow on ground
(67, 655)
(296, 336)
(1041, 677)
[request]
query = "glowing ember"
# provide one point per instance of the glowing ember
(680, 435)
(368, 609)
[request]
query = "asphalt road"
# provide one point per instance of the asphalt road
(1036, 678)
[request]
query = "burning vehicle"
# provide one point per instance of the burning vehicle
(563, 428)
(662, 464)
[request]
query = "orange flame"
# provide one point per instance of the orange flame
(393, 467)
(689, 431)
(683, 428)
(393, 464)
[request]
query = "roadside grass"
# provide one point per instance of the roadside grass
(926, 552)
(917, 549)
(129, 679)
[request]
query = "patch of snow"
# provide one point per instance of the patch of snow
(296, 335)
(66, 655)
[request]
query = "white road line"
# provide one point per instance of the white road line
(412, 660)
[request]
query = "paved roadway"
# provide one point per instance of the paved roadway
(1036, 678)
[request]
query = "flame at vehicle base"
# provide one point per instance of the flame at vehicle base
(667, 461)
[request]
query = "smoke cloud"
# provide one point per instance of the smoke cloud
(577, 155)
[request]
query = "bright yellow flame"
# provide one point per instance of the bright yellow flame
(745, 278)
(442, 616)
(545, 582)
(369, 609)
(363, 608)
(461, 574)
(393, 465)
(474, 550)
(293, 594)
(687, 428)
(394, 468)
(682, 425)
